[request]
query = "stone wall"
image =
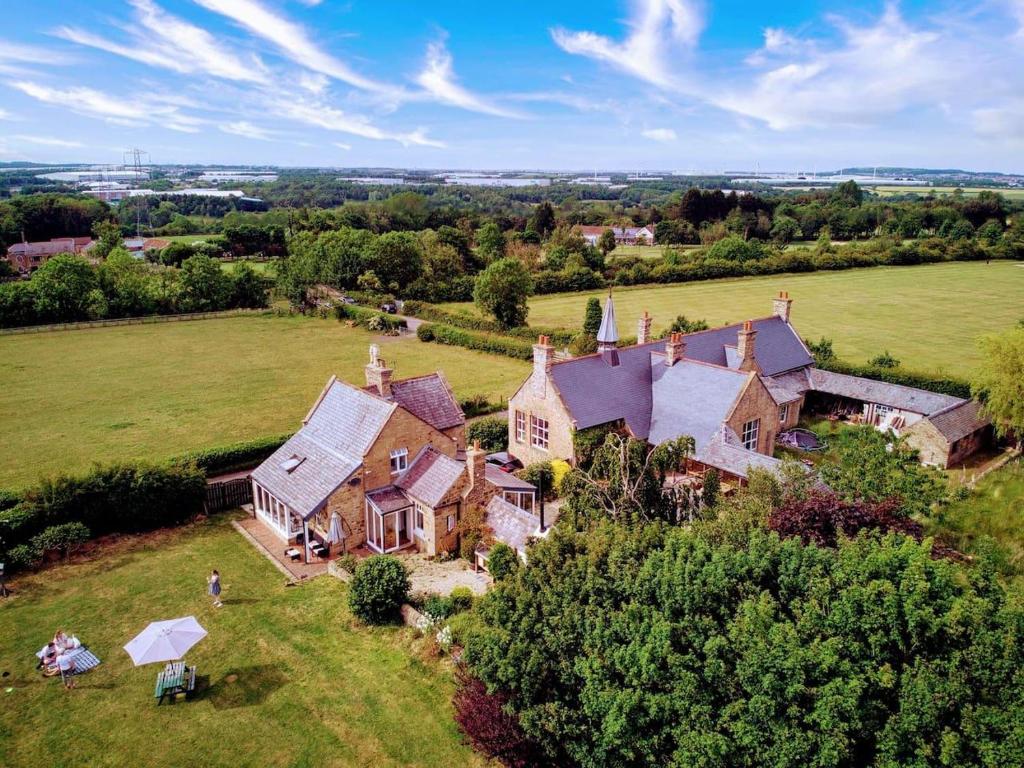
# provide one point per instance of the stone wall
(538, 397)
(756, 402)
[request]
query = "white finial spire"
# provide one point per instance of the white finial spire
(608, 334)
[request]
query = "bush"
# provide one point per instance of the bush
(542, 476)
(457, 337)
(8, 498)
(378, 589)
(23, 557)
(492, 433)
(461, 599)
(363, 317)
(349, 562)
(559, 469)
(478, 405)
(231, 458)
(65, 539)
(437, 607)
(941, 384)
(472, 531)
(474, 322)
(502, 561)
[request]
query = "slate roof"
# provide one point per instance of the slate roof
(430, 476)
(335, 435)
(511, 525)
(959, 421)
(691, 398)
(388, 499)
(777, 347)
(506, 480)
(725, 451)
(429, 398)
(870, 391)
(780, 390)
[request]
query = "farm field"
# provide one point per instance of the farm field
(260, 267)
(928, 316)
(71, 398)
(889, 191)
(286, 676)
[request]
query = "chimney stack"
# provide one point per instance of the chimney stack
(782, 305)
(745, 347)
(378, 375)
(643, 329)
(675, 348)
(476, 465)
(543, 358)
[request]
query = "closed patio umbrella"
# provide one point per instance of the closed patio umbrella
(165, 640)
(335, 534)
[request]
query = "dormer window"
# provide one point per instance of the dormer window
(399, 460)
(292, 463)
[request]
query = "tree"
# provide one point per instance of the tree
(127, 285)
(848, 193)
(490, 242)
(249, 289)
(821, 350)
(999, 381)
(502, 289)
(204, 286)
(735, 248)
(62, 287)
(502, 561)
(785, 229)
(543, 219)
(606, 242)
(712, 484)
(492, 433)
(653, 645)
(108, 235)
(683, 325)
(490, 729)
(378, 588)
(175, 253)
(821, 517)
(396, 258)
(592, 317)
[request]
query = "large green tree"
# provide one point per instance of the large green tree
(396, 258)
(62, 286)
(999, 380)
(490, 242)
(592, 316)
(203, 284)
(502, 289)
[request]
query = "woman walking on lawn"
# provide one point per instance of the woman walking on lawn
(214, 581)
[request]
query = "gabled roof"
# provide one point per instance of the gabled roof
(430, 398)
(511, 525)
(691, 398)
(347, 419)
(959, 421)
(870, 391)
(725, 451)
(780, 389)
(777, 347)
(506, 480)
(431, 476)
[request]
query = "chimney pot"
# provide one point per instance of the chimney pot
(643, 331)
(675, 348)
(782, 305)
(745, 347)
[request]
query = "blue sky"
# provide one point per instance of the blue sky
(614, 84)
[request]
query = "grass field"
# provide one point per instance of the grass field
(890, 191)
(260, 267)
(928, 316)
(286, 675)
(188, 238)
(70, 398)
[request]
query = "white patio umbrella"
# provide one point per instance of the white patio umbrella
(335, 534)
(165, 640)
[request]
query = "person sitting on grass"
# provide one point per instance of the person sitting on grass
(49, 657)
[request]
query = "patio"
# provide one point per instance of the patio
(261, 537)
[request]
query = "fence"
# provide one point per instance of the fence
(132, 321)
(228, 495)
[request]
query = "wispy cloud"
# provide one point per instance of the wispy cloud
(658, 29)
(46, 141)
(438, 79)
(138, 111)
(174, 44)
(332, 119)
(292, 40)
(340, 145)
(659, 134)
(247, 130)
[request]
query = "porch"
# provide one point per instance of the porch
(270, 544)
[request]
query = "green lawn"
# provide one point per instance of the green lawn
(260, 267)
(70, 398)
(889, 191)
(928, 316)
(288, 677)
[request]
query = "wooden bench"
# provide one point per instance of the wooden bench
(175, 680)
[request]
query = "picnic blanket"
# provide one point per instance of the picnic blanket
(84, 660)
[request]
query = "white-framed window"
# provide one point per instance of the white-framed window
(521, 499)
(520, 427)
(751, 430)
(539, 432)
(399, 460)
(451, 523)
(421, 517)
(783, 413)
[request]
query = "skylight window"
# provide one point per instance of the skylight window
(291, 463)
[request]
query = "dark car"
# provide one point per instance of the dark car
(503, 461)
(389, 307)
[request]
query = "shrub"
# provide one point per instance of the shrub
(457, 337)
(363, 316)
(492, 433)
(502, 561)
(65, 539)
(559, 469)
(23, 557)
(472, 531)
(231, 458)
(884, 360)
(378, 589)
(474, 322)
(8, 499)
(484, 720)
(349, 562)
(437, 606)
(542, 476)
(425, 332)
(478, 405)
(461, 599)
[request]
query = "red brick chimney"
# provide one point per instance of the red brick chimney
(745, 347)
(643, 329)
(675, 348)
(782, 305)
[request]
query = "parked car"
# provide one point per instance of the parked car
(389, 307)
(504, 461)
(347, 300)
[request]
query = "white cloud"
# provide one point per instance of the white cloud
(292, 39)
(172, 43)
(659, 134)
(247, 130)
(339, 145)
(657, 30)
(332, 119)
(314, 82)
(438, 79)
(1003, 122)
(138, 111)
(47, 141)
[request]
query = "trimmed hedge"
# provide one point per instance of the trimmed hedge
(941, 384)
(435, 314)
(458, 337)
(231, 458)
(362, 316)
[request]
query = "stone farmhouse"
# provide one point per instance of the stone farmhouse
(385, 466)
(732, 389)
(623, 235)
(28, 257)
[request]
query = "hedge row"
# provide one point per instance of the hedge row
(941, 384)
(435, 314)
(369, 318)
(231, 458)
(459, 337)
(110, 499)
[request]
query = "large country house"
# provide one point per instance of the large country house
(390, 462)
(732, 389)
